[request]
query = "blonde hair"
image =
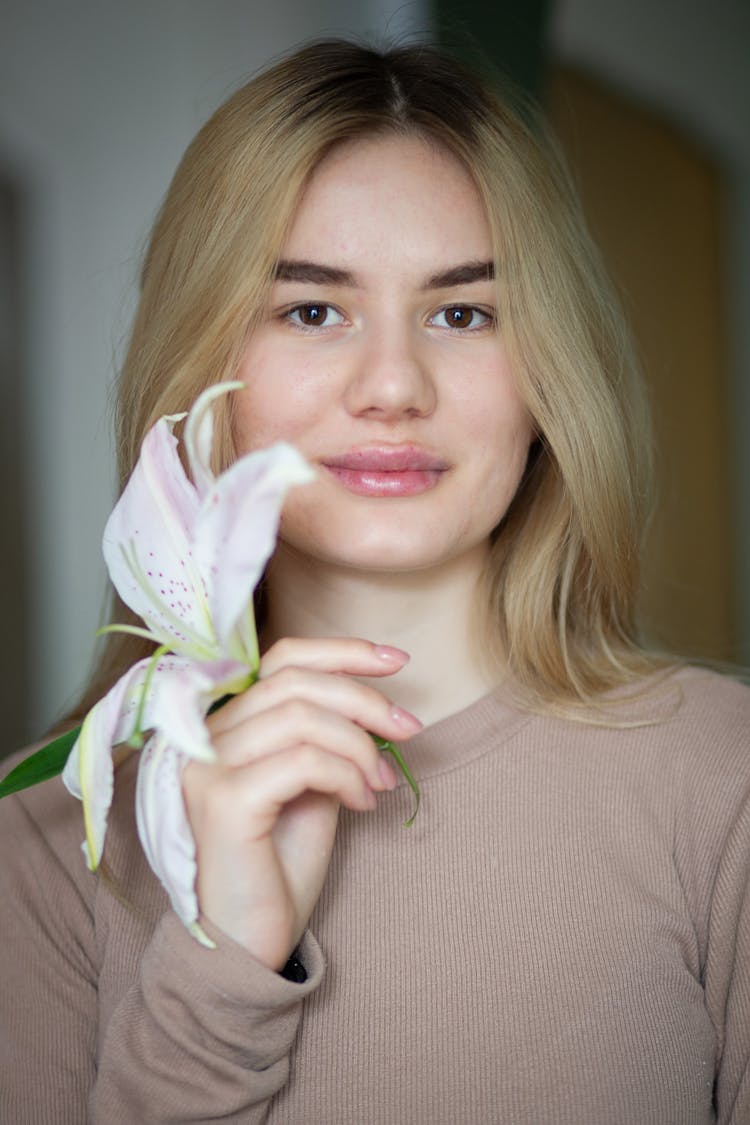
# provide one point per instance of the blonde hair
(563, 575)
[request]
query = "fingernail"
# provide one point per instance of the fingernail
(387, 774)
(391, 654)
(406, 720)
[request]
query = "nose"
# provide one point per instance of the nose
(390, 379)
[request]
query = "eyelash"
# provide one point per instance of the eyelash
(487, 314)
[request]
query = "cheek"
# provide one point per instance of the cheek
(485, 395)
(277, 404)
(497, 420)
(256, 426)
(506, 445)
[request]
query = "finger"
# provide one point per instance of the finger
(248, 801)
(360, 703)
(352, 655)
(296, 722)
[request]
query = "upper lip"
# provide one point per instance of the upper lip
(387, 459)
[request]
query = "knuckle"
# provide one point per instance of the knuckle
(280, 653)
(306, 758)
(287, 679)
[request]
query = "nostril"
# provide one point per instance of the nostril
(391, 387)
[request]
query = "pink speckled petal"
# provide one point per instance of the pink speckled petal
(184, 696)
(147, 546)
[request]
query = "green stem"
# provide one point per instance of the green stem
(136, 738)
(391, 748)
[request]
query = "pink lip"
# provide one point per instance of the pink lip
(387, 459)
(403, 470)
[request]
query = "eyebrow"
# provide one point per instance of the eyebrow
(465, 274)
(312, 271)
(318, 274)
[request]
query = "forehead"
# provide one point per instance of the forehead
(390, 196)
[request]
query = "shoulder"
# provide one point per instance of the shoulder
(706, 740)
(722, 694)
(45, 879)
(44, 825)
(42, 830)
(689, 727)
(680, 738)
(44, 869)
(691, 712)
(710, 724)
(711, 745)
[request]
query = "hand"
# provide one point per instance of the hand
(289, 750)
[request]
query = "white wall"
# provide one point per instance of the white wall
(691, 60)
(98, 100)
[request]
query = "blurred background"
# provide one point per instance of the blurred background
(98, 99)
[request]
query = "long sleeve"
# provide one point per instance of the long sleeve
(728, 973)
(194, 1035)
(48, 986)
(712, 855)
(203, 1035)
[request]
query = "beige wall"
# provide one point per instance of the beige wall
(688, 64)
(653, 198)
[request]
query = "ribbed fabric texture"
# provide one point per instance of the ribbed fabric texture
(562, 937)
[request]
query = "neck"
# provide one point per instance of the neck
(431, 614)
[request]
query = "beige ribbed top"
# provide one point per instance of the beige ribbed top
(562, 937)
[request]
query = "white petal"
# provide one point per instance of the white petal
(199, 434)
(88, 772)
(183, 697)
(133, 701)
(147, 546)
(235, 530)
(164, 830)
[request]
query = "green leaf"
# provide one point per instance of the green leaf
(44, 764)
(391, 748)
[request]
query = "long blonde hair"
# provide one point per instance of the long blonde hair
(563, 576)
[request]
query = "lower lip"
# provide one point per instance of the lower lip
(401, 482)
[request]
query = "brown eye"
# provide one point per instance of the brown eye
(314, 316)
(460, 316)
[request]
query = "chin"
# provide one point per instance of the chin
(391, 542)
(375, 553)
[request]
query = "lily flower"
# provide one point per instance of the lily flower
(185, 555)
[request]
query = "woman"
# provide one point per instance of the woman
(393, 264)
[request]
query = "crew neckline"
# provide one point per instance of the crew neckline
(481, 726)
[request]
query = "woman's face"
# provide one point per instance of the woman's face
(380, 359)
